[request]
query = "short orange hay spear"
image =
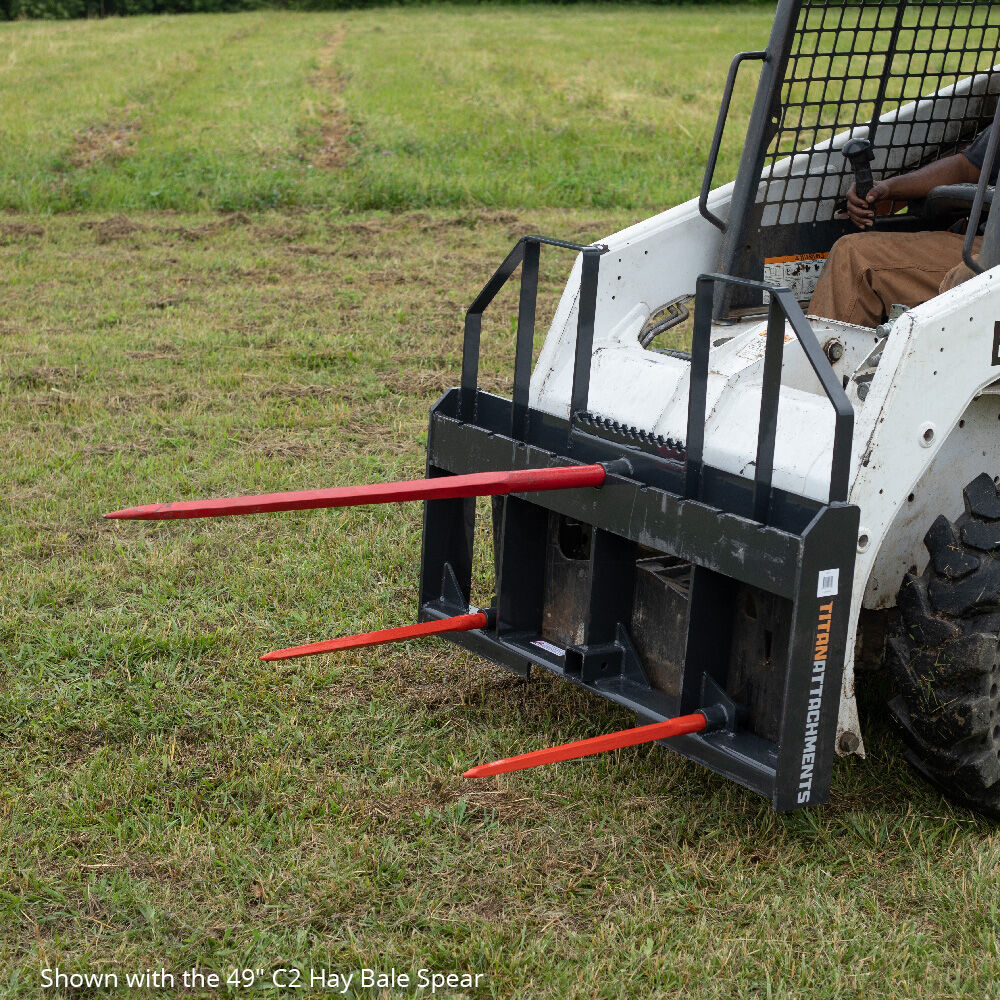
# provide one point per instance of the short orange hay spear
(458, 623)
(680, 726)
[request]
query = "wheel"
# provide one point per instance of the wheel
(944, 655)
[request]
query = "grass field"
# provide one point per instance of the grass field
(505, 108)
(168, 800)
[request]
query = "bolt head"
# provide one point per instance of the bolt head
(848, 743)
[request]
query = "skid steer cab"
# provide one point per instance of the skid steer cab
(715, 539)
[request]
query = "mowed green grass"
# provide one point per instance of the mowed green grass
(168, 800)
(510, 107)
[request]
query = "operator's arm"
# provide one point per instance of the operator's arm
(956, 169)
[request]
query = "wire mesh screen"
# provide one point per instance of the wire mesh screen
(915, 78)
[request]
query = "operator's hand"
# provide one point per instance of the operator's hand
(861, 211)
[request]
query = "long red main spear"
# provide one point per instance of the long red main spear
(679, 726)
(476, 484)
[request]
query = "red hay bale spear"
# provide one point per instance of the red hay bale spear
(476, 484)
(458, 623)
(680, 726)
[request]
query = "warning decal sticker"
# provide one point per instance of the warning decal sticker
(799, 273)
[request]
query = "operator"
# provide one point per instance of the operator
(867, 273)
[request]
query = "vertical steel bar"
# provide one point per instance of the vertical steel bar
(586, 313)
(976, 212)
(843, 434)
(470, 364)
(883, 82)
(701, 344)
(525, 339)
(768, 427)
(761, 129)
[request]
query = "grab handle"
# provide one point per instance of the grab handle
(720, 127)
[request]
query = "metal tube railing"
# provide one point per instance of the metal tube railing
(783, 307)
(526, 253)
(720, 128)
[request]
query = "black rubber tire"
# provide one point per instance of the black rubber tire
(944, 655)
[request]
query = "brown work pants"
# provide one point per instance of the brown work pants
(868, 273)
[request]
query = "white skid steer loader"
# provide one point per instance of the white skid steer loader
(924, 388)
(719, 534)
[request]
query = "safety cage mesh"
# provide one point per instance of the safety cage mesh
(852, 63)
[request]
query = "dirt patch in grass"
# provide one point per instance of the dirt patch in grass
(104, 142)
(295, 391)
(137, 449)
(159, 352)
(62, 539)
(281, 448)
(195, 233)
(333, 152)
(466, 220)
(420, 383)
(280, 232)
(20, 232)
(78, 744)
(117, 227)
(424, 222)
(41, 378)
(452, 802)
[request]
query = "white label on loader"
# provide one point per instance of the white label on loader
(548, 647)
(799, 273)
(828, 582)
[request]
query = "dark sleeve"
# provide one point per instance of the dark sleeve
(976, 153)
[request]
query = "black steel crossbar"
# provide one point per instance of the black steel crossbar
(526, 253)
(783, 306)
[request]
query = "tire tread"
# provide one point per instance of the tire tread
(944, 655)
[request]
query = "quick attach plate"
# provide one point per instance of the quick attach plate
(805, 558)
